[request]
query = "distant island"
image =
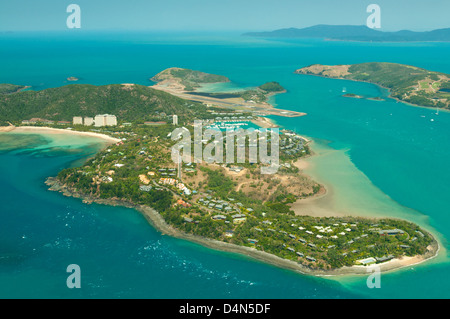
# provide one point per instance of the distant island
(406, 83)
(356, 33)
(72, 79)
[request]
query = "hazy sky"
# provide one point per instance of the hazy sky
(220, 15)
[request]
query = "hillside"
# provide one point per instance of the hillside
(272, 87)
(406, 83)
(10, 88)
(262, 92)
(355, 33)
(127, 102)
(188, 79)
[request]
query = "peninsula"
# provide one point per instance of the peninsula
(11, 88)
(187, 84)
(406, 83)
(232, 207)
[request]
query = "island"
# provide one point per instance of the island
(72, 79)
(231, 207)
(360, 33)
(406, 83)
(363, 97)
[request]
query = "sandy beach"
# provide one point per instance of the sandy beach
(7, 128)
(49, 130)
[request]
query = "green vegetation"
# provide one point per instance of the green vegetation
(135, 103)
(406, 83)
(190, 79)
(272, 87)
(218, 182)
(233, 204)
(331, 242)
(198, 76)
(261, 93)
(216, 209)
(10, 88)
(390, 75)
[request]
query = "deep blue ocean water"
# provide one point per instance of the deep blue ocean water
(396, 146)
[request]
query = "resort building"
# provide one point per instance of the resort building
(88, 121)
(98, 121)
(229, 233)
(105, 120)
(384, 258)
(145, 188)
(367, 261)
(391, 232)
(239, 220)
(175, 119)
(77, 120)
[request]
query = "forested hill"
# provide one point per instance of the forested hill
(407, 83)
(187, 79)
(128, 102)
(10, 88)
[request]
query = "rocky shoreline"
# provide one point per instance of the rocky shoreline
(158, 222)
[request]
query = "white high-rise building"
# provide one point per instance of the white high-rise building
(105, 120)
(88, 121)
(111, 120)
(99, 120)
(175, 119)
(77, 120)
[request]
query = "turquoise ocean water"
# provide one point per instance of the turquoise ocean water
(381, 158)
